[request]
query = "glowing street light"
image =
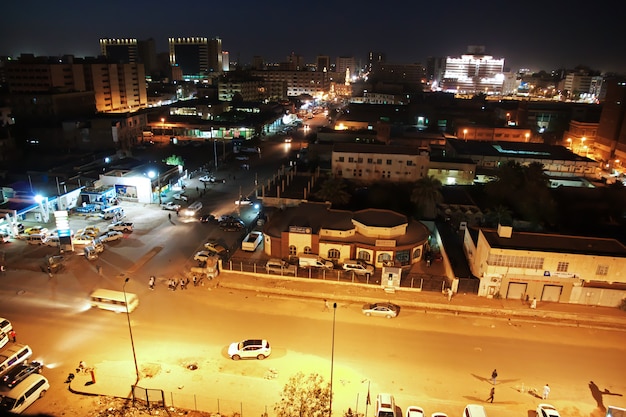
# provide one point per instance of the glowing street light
(464, 135)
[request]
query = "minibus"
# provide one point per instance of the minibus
(114, 300)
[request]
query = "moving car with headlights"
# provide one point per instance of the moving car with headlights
(244, 201)
(20, 372)
(249, 349)
(387, 310)
(547, 410)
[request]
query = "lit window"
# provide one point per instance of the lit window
(602, 270)
(562, 267)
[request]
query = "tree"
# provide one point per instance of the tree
(304, 397)
(333, 190)
(426, 195)
(174, 160)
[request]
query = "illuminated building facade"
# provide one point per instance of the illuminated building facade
(473, 74)
(119, 50)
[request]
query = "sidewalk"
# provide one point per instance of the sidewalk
(116, 378)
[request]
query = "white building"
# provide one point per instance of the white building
(473, 74)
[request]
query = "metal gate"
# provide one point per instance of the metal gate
(516, 290)
(552, 293)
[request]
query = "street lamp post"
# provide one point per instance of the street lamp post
(162, 129)
(464, 135)
(130, 330)
(332, 362)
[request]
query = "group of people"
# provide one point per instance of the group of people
(492, 392)
(174, 283)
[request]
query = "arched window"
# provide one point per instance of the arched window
(404, 257)
(417, 253)
(383, 257)
(307, 249)
(292, 250)
(364, 255)
(333, 254)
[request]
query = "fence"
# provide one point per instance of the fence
(424, 282)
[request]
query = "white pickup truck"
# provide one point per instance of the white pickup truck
(252, 241)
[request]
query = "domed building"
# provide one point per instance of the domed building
(376, 236)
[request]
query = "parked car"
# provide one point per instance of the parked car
(216, 248)
(358, 267)
(203, 256)
(207, 178)
(278, 266)
(111, 236)
(208, 218)
(20, 372)
(249, 349)
(547, 410)
(5, 325)
(387, 310)
(414, 411)
(82, 240)
(52, 241)
(232, 225)
(180, 196)
(89, 230)
(36, 230)
(4, 339)
(170, 206)
(125, 227)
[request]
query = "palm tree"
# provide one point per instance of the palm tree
(333, 190)
(426, 195)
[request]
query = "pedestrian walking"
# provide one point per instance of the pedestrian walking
(494, 375)
(326, 306)
(195, 281)
(450, 294)
(492, 393)
(49, 272)
(151, 282)
(546, 392)
(169, 216)
(533, 304)
(13, 336)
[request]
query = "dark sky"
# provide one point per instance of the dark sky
(530, 34)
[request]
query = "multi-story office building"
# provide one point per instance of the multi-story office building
(191, 55)
(346, 63)
(610, 143)
(248, 88)
(577, 85)
(216, 59)
(473, 73)
(314, 83)
(412, 75)
(119, 50)
(323, 63)
(117, 87)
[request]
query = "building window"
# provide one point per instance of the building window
(370, 160)
(360, 160)
(292, 250)
(350, 159)
(528, 262)
(360, 172)
(409, 163)
(307, 249)
(383, 257)
(389, 161)
(562, 267)
(602, 270)
(379, 161)
(364, 256)
(354, 172)
(333, 254)
(417, 253)
(341, 159)
(404, 257)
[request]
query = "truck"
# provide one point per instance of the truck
(309, 260)
(252, 241)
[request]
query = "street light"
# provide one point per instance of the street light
(332, 362)
(464, 134)
(527, 136)
(130, 330)
(163, 129)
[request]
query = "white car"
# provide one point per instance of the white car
(4, 339)
(82, 240)
(358, 267)
(170, 206)
(207, 178)
(125, 227)
(414, 411)
(249, 349)
(5, 325)
(243, 202)
(180, 196)
(547, 410)
(111, 236)
(203, 256)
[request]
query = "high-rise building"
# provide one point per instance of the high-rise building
(346, 63)
(225, 61)
(191, 55)
(474, 73)
(215, 55)
(146, 52)
(119, 50)
(375, 58)
(611, 137)
(322, 63)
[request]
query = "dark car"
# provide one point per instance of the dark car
(20, 372)
(208, 218)
(232, 226)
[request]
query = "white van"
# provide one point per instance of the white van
(35, 239)
(13, 355)
(193, 209)
(385, 405)
(114, 300)
(20, 397)
(314, 261)
(114, 212)
(474, 410)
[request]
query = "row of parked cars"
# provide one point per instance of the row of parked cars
(21, 382)
(356, 266)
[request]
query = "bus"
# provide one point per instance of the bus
(114, 300)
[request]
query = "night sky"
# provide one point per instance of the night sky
(531, 34)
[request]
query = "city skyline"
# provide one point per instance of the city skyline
(407, 33)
